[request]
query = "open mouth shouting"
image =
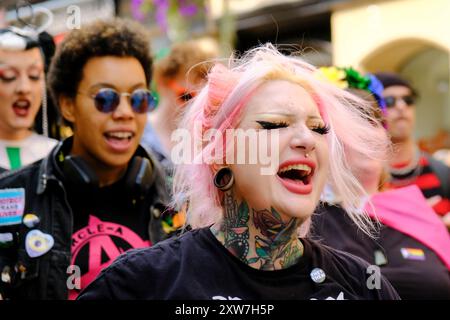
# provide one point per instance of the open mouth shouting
(21, 107)
(120, 140)
(296, 175)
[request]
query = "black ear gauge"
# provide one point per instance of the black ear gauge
(224, 179)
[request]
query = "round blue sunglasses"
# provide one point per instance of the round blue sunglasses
(107, 100)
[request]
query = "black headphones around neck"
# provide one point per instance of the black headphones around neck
(139, 176)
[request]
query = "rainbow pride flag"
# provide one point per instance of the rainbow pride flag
(413, 254)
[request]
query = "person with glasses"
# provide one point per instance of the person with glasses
(410, 244)
(22, 93)
(247, 241)
(98, 193)
(409, 165)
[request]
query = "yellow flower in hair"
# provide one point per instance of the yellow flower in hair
(334, 75)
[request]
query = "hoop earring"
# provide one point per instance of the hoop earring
(224, 179)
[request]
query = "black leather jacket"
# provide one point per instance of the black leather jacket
(45, 277)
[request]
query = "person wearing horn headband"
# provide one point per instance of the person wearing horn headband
(411, 245)
(249, 216)
(98, 193)
(22, 91)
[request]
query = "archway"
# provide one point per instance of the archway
(426, 66)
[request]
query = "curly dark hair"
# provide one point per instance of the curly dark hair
(115, 37)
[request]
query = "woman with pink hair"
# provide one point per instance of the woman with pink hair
(248, 216)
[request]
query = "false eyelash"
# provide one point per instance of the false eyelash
(34, 76)
(7, 80)
(273, 125)
(322, 130)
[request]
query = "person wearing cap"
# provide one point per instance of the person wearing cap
(409, 244)
(98, 193)
(409, 165)
(22, 92)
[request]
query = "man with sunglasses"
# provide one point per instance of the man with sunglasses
(98, 193)
(409, 165)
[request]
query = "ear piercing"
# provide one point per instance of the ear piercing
(224, 179)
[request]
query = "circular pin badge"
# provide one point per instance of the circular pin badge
(31, 220)
(318, 275)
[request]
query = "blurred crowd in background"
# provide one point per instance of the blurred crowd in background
(396, 51)
(371, 36)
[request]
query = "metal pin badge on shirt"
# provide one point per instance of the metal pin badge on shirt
(38, 243)
(6, 239)
(380, 258)
(318, 275)
(31, 220)
(6, 274)
(12, 206)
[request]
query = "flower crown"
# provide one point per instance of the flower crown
(350, 78)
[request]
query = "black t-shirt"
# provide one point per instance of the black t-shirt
(106, 223)
(414, 270)
(196, 266)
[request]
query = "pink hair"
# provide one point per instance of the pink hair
(220, 103)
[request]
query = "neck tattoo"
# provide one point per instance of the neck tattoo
(259, 238)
